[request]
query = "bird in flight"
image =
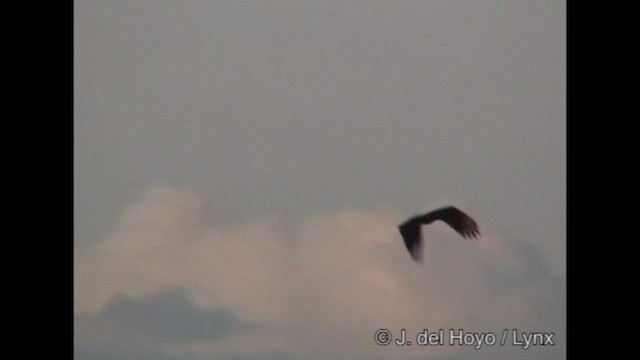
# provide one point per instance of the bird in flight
(459, 221)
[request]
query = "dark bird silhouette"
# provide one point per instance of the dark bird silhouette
(455, 218)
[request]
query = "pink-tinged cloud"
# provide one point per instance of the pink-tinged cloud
(321, 287)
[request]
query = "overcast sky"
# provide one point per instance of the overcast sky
(241, 167)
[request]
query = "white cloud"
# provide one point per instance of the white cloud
(324, 285)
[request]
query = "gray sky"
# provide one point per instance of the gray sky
(247, 162)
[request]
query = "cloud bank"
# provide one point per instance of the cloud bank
(171, 282)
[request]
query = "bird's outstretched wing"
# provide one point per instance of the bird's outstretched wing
(459, 221)
(412, 237)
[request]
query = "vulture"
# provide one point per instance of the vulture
(459, 221)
